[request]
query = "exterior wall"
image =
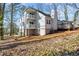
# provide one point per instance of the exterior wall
(41, 23)
(64, 25)
(54, 24)
(41, 20)
(60, 24)
(48, 25)
(31, 32)
(33, 29)
(42, 28)
(42, 31)
(29, 19)
(48, 31)
(76, 24)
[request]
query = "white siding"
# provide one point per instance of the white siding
(48, 26)
(76, 23)
(54, 24)
(42, 31)
(41, 21)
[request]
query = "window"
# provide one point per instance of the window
(48, 22)
(31, 13)
(31, 22)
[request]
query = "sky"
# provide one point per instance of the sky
(45, 8)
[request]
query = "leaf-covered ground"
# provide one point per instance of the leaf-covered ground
(68, 45)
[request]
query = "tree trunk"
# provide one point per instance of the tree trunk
(55, 14)
(21, 26)
(1, 20)
(65, 12)
(24, 28)
(11, 24)
(55, 17)
(75, 16)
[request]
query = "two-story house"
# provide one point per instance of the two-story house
(37, 22)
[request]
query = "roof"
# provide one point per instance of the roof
(39, 11)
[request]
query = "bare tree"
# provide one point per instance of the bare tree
(2, 8)
(55, 15)
(14, 9)
(65, 12)
(11, 24)
(55, 11)
(40, 6)
(21, 11)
